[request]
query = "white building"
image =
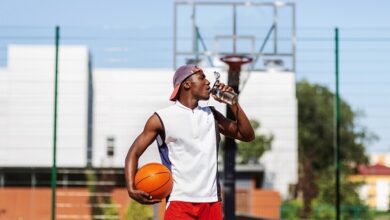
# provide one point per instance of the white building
(26, 106)
(120, 101)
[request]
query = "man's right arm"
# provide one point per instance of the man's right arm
(152, 128)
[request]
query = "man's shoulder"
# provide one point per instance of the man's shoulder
(167, 109)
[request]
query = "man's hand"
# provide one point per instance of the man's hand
(223, 88)
(152, 127)
(142, 197)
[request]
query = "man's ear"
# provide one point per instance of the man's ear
(186, 84)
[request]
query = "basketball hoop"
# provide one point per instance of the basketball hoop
(235, 62)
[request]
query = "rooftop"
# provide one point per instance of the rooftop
(377, 169)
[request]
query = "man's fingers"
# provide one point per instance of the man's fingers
(224, 88)
(153, 201)
(149, 201)
(216, 98)
(143, 197)
(145, 194)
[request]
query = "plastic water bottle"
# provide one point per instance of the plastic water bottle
(226, 96)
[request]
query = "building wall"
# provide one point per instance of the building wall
(265, 203)
(73, 203)
(269, 97)
(27, 100)
(375, 190)
(126, 98)
(123, 100)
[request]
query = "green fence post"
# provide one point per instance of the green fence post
(356, 212)
(54, 165)
(337, 122)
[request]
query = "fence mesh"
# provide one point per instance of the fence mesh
(112, 79)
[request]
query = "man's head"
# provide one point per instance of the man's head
(190, 77)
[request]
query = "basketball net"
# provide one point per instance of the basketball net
(245, 74)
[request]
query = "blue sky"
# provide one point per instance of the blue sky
(310, 13)
(363, 26)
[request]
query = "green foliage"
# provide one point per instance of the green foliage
(101, 205)
(327, 194)
(111, 208)
(291, 209)
(252, 151)
(90, 176)
(325, 212)
(352, 206)
(380, 215)
(316, 131)
(136, 211)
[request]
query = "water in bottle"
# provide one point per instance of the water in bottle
(226, 96)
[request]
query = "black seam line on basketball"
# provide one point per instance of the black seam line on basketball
(161, 185)
(148, 177)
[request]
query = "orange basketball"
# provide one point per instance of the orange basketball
(155, 179)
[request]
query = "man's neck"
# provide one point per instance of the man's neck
(189, 103)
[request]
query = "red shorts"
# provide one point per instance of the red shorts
(178, 210)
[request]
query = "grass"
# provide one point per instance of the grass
(382, 216)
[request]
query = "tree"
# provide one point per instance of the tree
(252, 151)
(351, 206)
(316, 132)
(101, 205)
(136, 211)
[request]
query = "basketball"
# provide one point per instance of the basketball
(155, 179)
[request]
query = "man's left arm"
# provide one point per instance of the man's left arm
(241, 128)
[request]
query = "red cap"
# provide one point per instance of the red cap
(181, 74)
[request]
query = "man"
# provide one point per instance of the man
(188, 137)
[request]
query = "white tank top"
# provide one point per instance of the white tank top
(190, 151)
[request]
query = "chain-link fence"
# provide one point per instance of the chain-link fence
(110, 80)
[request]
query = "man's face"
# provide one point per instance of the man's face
(200, 86)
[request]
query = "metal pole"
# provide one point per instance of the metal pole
(337, 118)
(229, 160)
(234, 29)
(195, 39)
(230, 146)
(276, 28)
(54, 166)
(294, 39)
(90, 114)
(174, 35)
